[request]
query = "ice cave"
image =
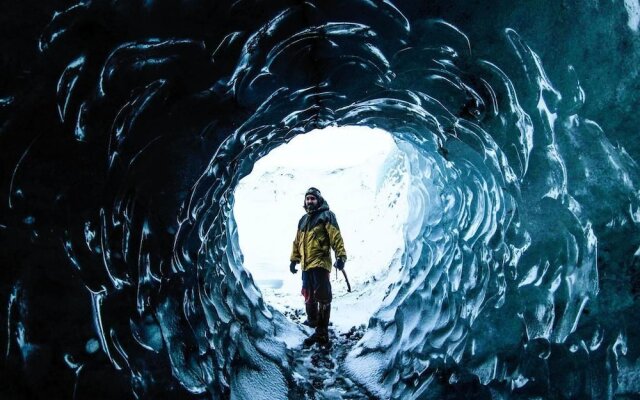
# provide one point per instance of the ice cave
(497, 144)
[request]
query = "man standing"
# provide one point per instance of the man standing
(318, 232)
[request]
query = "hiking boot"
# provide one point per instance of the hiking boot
(311, 340)
(321, 335)
(324, 341)
(320, 339)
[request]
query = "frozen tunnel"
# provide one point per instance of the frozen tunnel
(485, 292)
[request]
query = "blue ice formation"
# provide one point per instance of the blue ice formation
(524, 214)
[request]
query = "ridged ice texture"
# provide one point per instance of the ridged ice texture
(500, 252)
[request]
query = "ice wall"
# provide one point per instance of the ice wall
(119, 202)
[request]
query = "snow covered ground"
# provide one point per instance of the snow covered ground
(364, 178)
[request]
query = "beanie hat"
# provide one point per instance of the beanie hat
(314, 192)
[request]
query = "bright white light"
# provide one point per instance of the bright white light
(364, 178)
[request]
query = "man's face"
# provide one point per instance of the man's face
(311, 202)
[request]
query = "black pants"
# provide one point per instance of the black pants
(316, 287)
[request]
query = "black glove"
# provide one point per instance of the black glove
(292, 267)
(339, 264)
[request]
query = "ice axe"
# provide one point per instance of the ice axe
(344, 273)
(347, 280)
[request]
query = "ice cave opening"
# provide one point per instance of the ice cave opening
(364, 176)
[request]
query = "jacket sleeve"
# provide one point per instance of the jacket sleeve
(295, 252)
(335, 237)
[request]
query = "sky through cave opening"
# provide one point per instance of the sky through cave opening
(365, 179)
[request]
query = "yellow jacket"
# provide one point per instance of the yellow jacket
(318, 232)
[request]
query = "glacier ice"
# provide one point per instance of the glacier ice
(518, 274)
